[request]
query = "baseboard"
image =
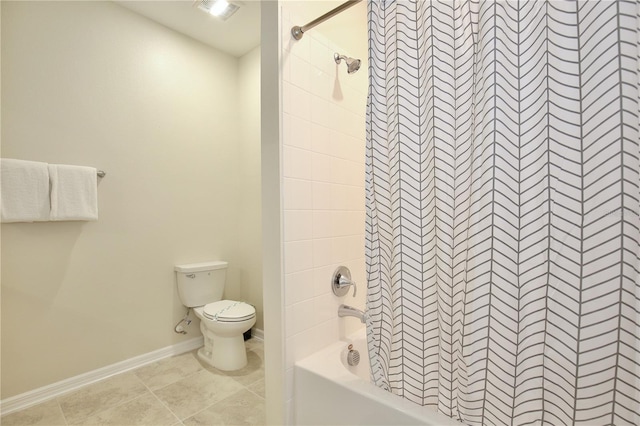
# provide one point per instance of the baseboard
(257, 333)
(53, 390)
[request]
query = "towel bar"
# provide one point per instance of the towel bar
(101, 173)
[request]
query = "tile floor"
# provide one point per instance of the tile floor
(175, 391)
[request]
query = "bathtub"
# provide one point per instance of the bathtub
(327, 391)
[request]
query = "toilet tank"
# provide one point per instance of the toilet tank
(201, 283)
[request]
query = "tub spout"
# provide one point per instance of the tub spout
(349, 311)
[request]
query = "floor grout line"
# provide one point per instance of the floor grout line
(66, 422)
(161, 401)
(146, 389)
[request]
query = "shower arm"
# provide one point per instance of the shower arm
(297, 32)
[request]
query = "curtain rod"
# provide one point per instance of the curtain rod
(297, 32)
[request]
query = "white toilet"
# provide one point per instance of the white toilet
(222, 322)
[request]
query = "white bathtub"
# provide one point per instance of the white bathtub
(330, 392)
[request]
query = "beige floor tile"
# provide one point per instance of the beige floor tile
(255, 345)
(48, 413)
(241, 408)
(196, 392)
(170, 370)
(92, 399)
(257, 388)
(145, 410)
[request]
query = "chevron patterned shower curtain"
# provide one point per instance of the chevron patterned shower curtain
(503, 200)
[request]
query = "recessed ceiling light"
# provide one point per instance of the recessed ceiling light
(218, 8)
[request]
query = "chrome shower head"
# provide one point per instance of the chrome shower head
(353, 65)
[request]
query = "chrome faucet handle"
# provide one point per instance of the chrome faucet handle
(344, 282)
(341, 281)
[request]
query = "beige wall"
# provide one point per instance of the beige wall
(91, 83)
(250, 233)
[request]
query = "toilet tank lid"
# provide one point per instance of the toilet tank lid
(199, 267)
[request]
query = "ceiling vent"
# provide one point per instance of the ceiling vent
(219, 8)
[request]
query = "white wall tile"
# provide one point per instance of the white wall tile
(320, 111)
(299, 286)
(300, 132)
(357, 177)
(300, 72)
(323, 193)
(328, 331)
(300, 317)
(342, 171)
(352, 149)
(348, 197)
(298, 225)
(358, 274)
(355, 123)
(300, 48)
(323, 196)
(325, 307)
(321, 139)
(321, 167)
(298, 256)
(285, 31)
(322, 279)
(336, 95)
(341, 250)
(300, 103)
(320, 55)
(300, 346)
(348, 222)
(296, 163)
(322, 252)
(322, 224)
(320, 83)
(341, 223)
(285, 66)
(286, 97)
(297, 194)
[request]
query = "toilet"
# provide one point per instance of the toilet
(222, 322)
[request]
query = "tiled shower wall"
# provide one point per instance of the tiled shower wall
(323, 193)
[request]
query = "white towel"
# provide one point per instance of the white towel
(24, 191)
(74, 192)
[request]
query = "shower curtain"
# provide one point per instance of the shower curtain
(502, 208)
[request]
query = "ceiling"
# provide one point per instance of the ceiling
(236, 36)
(241, 33)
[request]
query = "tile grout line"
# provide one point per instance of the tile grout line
(159, 400)
(66, 422)
(180, 421)
(259, 396)
(201, 368)
(243, 387)
(121, 403)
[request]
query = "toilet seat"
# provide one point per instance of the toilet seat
(228, 311)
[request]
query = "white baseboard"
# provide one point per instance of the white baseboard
(36, 396)
(257, 333)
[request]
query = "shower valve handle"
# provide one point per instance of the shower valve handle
(341, 281)
(344, 282)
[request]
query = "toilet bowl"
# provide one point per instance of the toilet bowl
(223, 325)
(222, 322)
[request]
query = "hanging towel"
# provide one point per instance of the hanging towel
(74, 192)
(24, 191)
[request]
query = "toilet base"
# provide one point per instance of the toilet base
(223, 353)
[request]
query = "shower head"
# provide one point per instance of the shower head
(353, 65)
